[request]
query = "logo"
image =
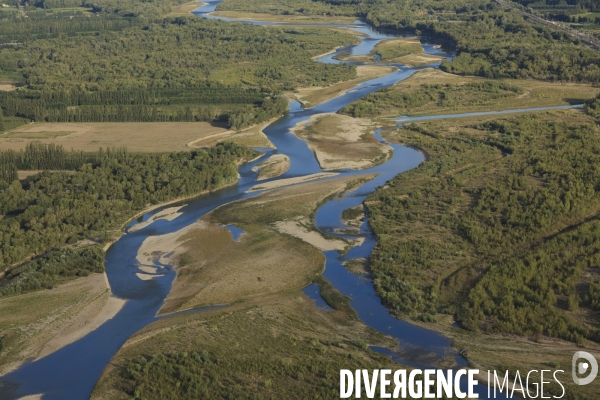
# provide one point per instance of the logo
(582, 367)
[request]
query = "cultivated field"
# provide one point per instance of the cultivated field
(136, 136)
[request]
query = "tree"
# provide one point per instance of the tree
(2, 127)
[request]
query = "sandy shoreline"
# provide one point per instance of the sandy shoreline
(274, 166)
(168, 214)
(291, 181)
(56, 318)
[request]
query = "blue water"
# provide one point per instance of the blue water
(314, 292)
(71, 372)
(404, 119)
(235, 232)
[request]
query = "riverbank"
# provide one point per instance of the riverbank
(315, 95)
(342, 142)
(39, 323)
(466, 164)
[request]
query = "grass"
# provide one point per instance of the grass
(417, 60)
(185, 9)
(391, 50)
(220, 271)
(342, 142)
(216, 270)
(310, 97)
(12, 123)
(136, 136)
(275, 166)
(29, 321)
(454, 95)
(84, 10)
(296, 19)
(35, 135)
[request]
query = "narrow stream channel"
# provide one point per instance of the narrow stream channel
(71, 372)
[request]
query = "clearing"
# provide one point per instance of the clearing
(185, 9)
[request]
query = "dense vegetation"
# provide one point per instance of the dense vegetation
(593, 108)
(176, 69)
(52, 269)
(49, 209)
(489, 40)
(443, 95)
(500, 242)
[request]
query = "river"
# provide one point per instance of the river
(71, 372)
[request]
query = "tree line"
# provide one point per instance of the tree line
(53, 208)
(174, 69)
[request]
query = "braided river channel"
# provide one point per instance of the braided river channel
(71, 372)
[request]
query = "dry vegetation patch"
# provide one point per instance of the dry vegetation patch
(391, 50)
(136, 136)
(276, 165)
(431, 92)
(250, 137)
(342, 142)
(311, 96)
(36, 324)
(296, 19)
(7, 88)
(185, 9)
(213, 269)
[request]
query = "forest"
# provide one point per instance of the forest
(53, 269)
(173, 69)
(489, 41)
(89, 196)
(497, 229)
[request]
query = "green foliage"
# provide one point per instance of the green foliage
(489, 40)
(352, 213)
(176, 69)
(390, 52)
(487, 247)
(592, 107)
(203, 374)
(50, 209)
(182, 53)
(593, 298)
(502, 45)
(52, 269)
(442, 95)
(8, 172)
(293, 7)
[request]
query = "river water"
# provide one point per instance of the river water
(71, 372)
